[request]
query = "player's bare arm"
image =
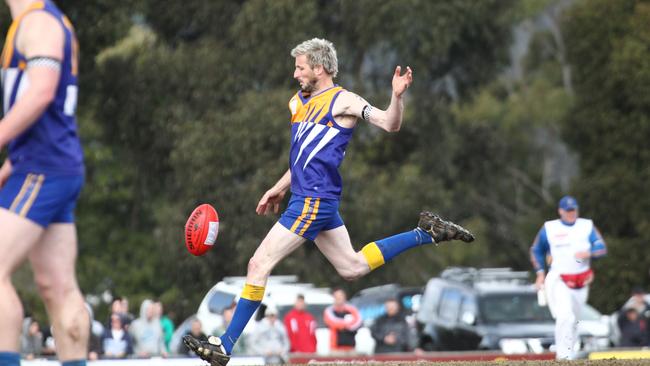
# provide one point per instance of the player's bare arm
(270, 201)
(41, 39)
(350, 106)
(5, 172)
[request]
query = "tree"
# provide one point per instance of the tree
(609, 126)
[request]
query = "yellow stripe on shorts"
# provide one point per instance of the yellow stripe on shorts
(305, 210)
(312, 217)
(373, 255)
(252, 292)
(33, 195)
(21, 194)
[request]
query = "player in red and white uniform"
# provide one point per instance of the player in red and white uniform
(571, 242)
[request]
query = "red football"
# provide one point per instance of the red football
(201, 229)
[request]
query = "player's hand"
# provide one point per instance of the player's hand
(582, 255)
(539, 281)
(402, 82)
(270, 202)
(5, 172)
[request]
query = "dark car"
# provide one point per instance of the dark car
(370, 301)
(469, 309)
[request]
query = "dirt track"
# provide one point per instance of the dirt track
(504, 363)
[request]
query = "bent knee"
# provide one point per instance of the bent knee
(353, 272)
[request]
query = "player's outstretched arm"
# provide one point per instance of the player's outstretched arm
(40, 38)
(390, 119)
(270, 201)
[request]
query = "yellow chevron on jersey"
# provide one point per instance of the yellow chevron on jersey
(315, 109)
(317, 145)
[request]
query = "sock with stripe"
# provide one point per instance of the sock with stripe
(9, 359)
(74, 363)
(381, 251)
(249, 301)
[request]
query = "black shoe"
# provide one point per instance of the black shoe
(211, 351)
(442, 230)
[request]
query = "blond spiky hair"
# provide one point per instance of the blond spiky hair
(319, 52)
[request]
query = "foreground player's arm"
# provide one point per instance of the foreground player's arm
(5, 172)
(41, 40)
(270, 201)
(538, 252)
(389, 120)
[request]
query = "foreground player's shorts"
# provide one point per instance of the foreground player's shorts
(308, 216)
(40, 198)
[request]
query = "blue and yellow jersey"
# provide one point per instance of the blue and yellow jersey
(317, 145)
(51, 144)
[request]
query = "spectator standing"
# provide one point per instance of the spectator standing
(32, 340)
(343, 320)
(573, 242)
(301, 327)
(639, 302)
(196, 331)
(116, 341)
(269, 339)
(391, 331)
(165, 322)
(95, 335)
(633, 328)
(147, 333)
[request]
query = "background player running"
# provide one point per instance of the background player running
(42, 178)
(323, 117)
(571, 243)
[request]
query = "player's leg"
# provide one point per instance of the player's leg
(578, 301)
(53, 262)
(18, 235)
(277, 244)
(565, 319)
(335, 244)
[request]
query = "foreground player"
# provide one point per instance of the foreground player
(323, 117)
(42, 177)
(571, 242)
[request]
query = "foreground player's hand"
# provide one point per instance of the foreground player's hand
(270, 202)
(402, 82)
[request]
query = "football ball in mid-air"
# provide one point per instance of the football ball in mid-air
(201, 229)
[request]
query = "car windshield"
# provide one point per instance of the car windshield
(513, 307)
(220, 301)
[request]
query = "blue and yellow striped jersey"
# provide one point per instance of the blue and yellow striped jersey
(317, 145)
(51, 144)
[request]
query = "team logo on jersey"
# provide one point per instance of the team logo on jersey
(312, 131)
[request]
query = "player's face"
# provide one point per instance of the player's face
(568, 216)
(305, 74)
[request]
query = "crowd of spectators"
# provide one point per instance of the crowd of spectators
(123, 335)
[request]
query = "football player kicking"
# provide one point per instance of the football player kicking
(323, 117)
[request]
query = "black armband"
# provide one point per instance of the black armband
(365, 112)
(44, 61)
